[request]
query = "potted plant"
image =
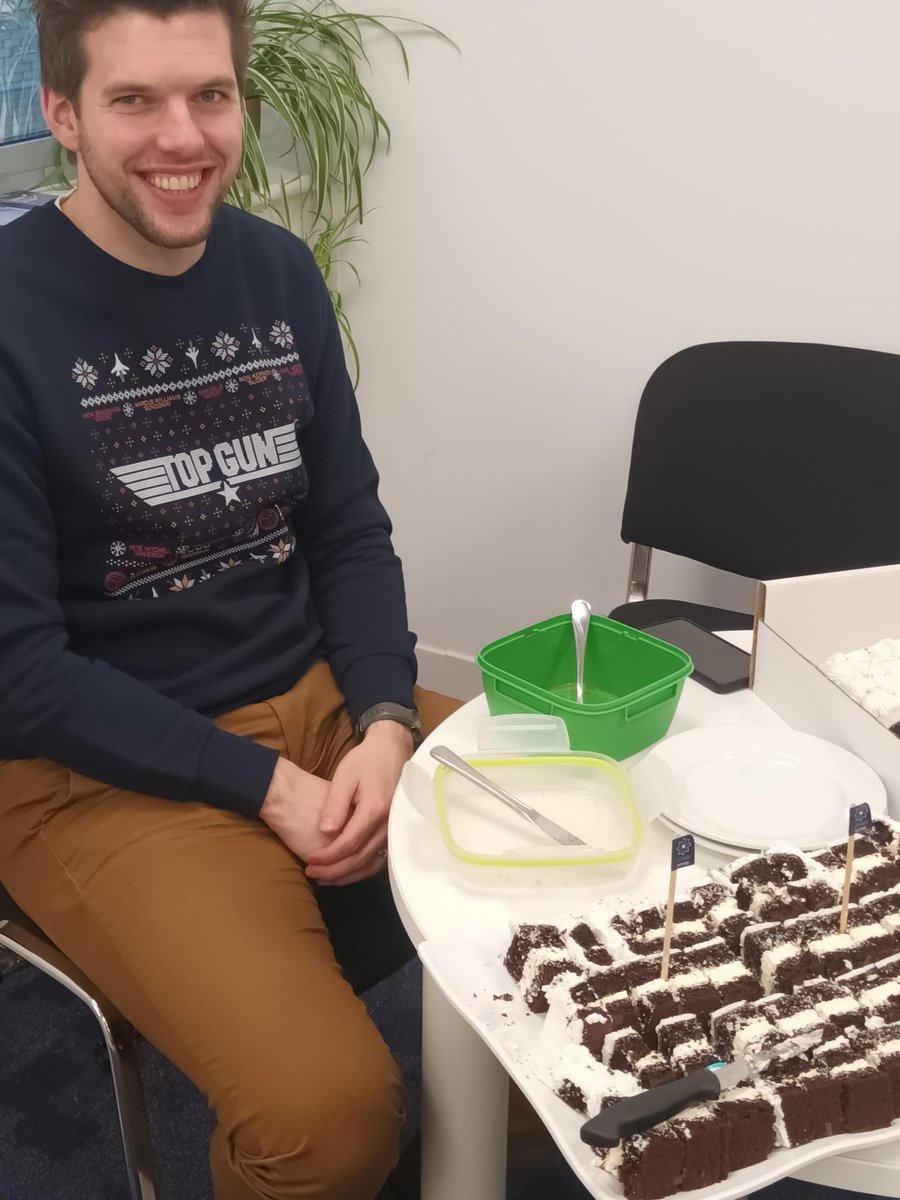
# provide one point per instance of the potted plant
(305, 65)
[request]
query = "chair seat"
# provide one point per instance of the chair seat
(641, 613)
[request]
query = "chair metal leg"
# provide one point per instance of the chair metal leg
(639, 573)
(118, 1036)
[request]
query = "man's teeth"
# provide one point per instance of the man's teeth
(175, 183)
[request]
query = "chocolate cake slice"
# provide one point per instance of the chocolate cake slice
(786, 901)
(705, 1147)
(683, 1043)
(724, 1023)
(624, 1048)
(783, 966)
(621, 1010)
(730, 927)
(707, 895)
(866, 1099)
(824, 1104)
(792, 1015)
(873, 873)
(684, 933)
(883, 1052)
(834, 954)
(885, 834)
(692, 1056)
(884, 907)
(525, 939)
(816, 894)
(807, 1107)
(542, 966)
(834, 1002)
(828, 859)
(675, 1031)
(584, 1084)
(584, 945)
(649, 1166)
(568, 1022)
(712, 952)
(774, 903)
(583, 992)
(877, 988)
(734, 982)
(773, 866)
(748, 1121)
(873, 942)
(747, 1032)
(653, 1071)
(654, 1001)
(695, 992)
(834, 1053)
(865, 978)
(756, 939)
(609, 981)
(756, 1036)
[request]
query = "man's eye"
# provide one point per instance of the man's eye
(211, 96)
(127, 100)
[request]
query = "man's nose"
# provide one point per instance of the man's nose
(178, 132)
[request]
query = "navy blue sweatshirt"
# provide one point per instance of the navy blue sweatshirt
(190, 516)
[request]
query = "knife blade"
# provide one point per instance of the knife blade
(646, 1109)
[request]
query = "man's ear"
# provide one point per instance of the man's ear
(60, 117)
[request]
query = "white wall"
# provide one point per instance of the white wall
(588, 187)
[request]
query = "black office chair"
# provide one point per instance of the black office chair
(764, 459)
(353, 915)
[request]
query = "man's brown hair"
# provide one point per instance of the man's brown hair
(61, 24)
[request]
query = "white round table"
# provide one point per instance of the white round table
(464, 1088)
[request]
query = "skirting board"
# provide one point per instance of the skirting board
(452, 674)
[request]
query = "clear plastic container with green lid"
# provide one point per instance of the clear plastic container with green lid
(588, 794)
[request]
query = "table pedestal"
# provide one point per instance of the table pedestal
(465, 1098)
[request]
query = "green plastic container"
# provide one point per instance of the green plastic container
(632, 682)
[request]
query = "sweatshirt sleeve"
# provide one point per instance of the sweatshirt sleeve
(345, 533)
(82, 712)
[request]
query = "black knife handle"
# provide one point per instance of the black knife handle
(636, 1113)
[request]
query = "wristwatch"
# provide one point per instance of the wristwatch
(388, 711)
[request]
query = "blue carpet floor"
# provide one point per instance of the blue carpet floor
(58, 1135)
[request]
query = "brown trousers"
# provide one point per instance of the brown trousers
(204, 930)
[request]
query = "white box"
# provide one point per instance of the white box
(799, 623)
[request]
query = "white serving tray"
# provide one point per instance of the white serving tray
(472, 975)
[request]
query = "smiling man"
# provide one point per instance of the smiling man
(206, 675)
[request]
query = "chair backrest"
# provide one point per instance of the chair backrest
(769, 459)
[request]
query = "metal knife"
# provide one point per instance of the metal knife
(646, 1109)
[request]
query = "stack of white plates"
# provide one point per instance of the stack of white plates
(739, 788)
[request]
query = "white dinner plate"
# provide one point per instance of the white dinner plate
(749, 786)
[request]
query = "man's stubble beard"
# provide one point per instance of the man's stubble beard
(126, 206)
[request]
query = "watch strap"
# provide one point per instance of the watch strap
(387, 710)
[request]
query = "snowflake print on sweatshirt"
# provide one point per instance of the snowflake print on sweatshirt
(200, 467)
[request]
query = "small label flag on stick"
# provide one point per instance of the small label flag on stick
(682, 856)
(860, 820)
(683, 852)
